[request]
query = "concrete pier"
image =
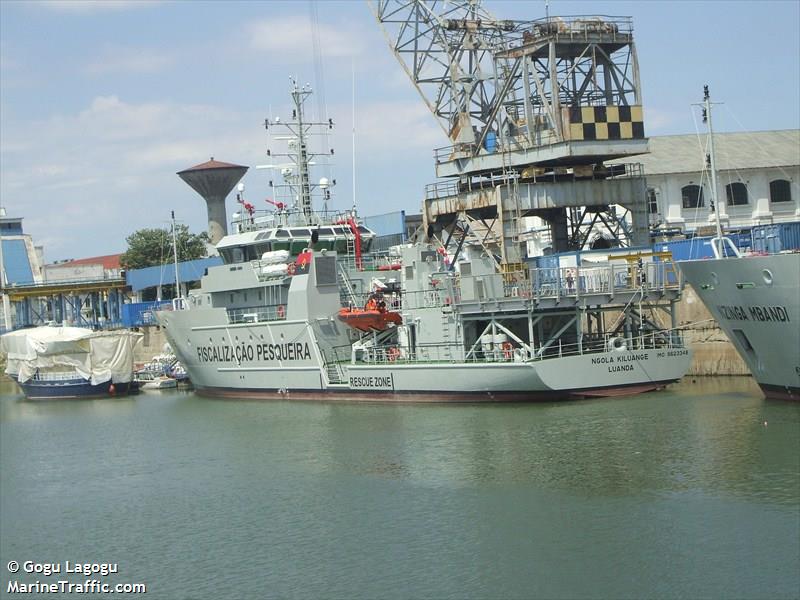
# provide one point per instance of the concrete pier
(713, 352)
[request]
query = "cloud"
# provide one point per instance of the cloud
(110, 168)
(381, 127)
(130, 60)
(89, 6)
(289, 37)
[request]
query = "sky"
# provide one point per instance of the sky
(101, 103)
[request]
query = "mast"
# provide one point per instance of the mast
(718, 242)
(298, 97)
(175, 255)
(4, 281)
(353, 69)
(297, 184)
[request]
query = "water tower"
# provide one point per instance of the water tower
(214, 180)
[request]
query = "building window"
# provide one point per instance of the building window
(736, 193)
(780, 190)
(652, 201)
(692, 196)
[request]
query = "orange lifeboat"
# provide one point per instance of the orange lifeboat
(366, 319)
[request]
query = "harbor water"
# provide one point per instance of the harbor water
(689, 492)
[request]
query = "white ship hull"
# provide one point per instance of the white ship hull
(283, 360)
(756, 301)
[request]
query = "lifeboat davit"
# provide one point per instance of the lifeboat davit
(366, 320)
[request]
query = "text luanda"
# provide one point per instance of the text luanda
(288, 351)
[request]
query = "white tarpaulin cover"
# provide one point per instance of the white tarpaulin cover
(94, 355)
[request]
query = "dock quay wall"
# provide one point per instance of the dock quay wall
(152, 344)
(714, 354)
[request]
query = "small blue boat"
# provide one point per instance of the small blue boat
(46, 387)
(70, 362)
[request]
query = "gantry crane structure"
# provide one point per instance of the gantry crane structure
(534, 110)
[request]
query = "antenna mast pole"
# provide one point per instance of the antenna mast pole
(718, 243)
(353, 68)
(712, 159)
(175, 254)
(299, 96)
(4, 281)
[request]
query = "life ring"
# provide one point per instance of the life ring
(508, 350)
(291, 268)
(281, 311)
(393, 353)
(617, 344)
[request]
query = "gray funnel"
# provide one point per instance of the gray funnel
(214, 180)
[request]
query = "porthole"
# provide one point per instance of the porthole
(767, 274)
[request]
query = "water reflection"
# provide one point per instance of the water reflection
(14, 405)
(707, 435)
(577, 499)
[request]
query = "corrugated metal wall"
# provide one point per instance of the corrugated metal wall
(390, 229)
(190, 270)
(392, 223)
(776, 238)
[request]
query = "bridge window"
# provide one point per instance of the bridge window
(692, 196)
(736, 193)
(780, 190)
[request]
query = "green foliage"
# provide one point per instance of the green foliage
(151, 247)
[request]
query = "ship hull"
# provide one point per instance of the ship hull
(424, 397)
(756, 302)
(253, 361)
(72, 389)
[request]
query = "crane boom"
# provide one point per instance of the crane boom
(446, 48)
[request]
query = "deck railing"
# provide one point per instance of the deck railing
(508, 352)
(257, 314)
(573, 282)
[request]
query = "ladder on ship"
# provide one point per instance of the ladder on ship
(350, 239)
(447, 313)
(334, 372)
(349, 297)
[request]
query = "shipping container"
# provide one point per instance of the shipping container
(769, 239)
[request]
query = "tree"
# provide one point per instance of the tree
(151, 247)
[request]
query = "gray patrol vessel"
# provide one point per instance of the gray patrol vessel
(306, 307)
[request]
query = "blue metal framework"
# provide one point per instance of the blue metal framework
(93, 304)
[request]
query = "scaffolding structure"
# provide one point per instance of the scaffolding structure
(96, 304)
(532, 109)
